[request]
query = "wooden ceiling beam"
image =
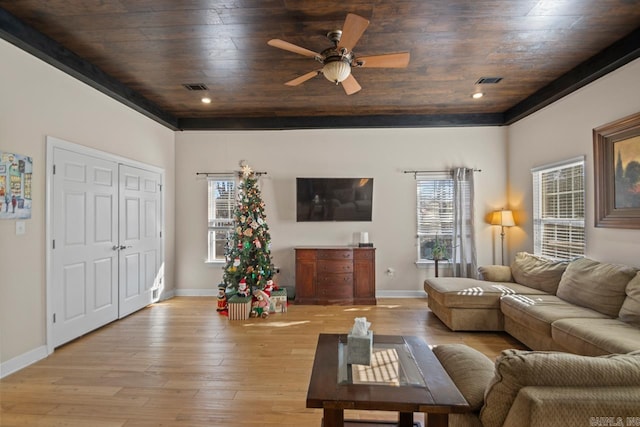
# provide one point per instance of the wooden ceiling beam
(341, 122)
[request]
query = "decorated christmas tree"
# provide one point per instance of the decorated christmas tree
(247, 255)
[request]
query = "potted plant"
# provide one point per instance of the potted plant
(439, 250)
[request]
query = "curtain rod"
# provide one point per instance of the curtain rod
(227, 173)
(442, 171)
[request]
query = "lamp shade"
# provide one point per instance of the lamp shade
(503, 218)
(336, 71)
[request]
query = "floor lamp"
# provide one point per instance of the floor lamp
(503, 218)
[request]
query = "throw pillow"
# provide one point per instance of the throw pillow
(596, 285)
(495, 273)
(630, 310)
(537, 272)
(516, 369)
(470, 370)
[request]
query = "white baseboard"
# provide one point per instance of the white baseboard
(196, 292)
(22, 361)
(379, 294)
(401, 294)
(167, 295)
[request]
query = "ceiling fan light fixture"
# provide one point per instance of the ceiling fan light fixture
(336, 71)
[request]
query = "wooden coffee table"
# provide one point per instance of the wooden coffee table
(409, 378)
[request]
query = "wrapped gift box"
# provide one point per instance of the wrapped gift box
(239, 307)
(278, 301)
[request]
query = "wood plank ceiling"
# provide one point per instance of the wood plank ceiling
(142, 52)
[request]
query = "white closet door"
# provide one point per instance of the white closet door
(140, 238)
(85, 237)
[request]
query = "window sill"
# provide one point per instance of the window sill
(427, 263)
(215, 261)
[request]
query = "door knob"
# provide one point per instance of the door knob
(123, 247)
(115, 247)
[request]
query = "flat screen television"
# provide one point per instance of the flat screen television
(334, 199)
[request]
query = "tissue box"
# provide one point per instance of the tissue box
(239, 307)
(278, 301)
(359, 349)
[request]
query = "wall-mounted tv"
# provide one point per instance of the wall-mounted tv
(334, 199)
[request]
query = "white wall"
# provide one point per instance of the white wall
(379, 153)
(564, 130)
(38, 100)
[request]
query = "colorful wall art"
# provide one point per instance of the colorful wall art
(16, 173)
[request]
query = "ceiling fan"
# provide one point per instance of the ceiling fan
(338, 60)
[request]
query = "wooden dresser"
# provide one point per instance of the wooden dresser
(335, 275)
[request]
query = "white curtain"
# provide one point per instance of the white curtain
(464, 253)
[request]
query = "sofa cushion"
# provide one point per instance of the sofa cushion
(596, 285)
(575, 406)
(594, 337)
(538, 312)
(495, 273)
(463, 292)
(517, 369)
(630, 310)
(469, 369)
(537, 272)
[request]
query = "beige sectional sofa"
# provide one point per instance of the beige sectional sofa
(584, 306)
(543, 389)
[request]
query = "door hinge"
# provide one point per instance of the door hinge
(160, 185)
(54, 244)
(54, 318)
(54, 169)
(161, 234)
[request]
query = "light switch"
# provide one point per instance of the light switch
(20, 228)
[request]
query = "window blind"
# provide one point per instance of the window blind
(435, 212)
(558, 209)
(221, 204)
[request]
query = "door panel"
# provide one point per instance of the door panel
(84, 263)
(140, 220)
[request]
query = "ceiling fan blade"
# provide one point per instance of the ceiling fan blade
(281, 44)
(299, 80)
(350, 85)
(391, 60)
(352, 30)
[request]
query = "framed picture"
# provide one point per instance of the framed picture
(16, 171)
(616, 156)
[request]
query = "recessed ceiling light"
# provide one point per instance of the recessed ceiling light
(477, 95)
(206, 100)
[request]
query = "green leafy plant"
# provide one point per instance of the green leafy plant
(439, 250)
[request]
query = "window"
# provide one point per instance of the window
(558, 209)
(221, 192)
(435, 213)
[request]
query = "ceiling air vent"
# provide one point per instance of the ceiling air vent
(488, 80)
(196, 86)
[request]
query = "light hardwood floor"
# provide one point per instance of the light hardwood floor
(179, 363)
